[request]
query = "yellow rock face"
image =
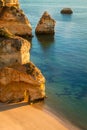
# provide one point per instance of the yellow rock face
(15, 21)
(19, 78)
(21, 82)
(14, 50)
(9, 3)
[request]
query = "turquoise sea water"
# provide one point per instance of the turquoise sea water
(62, 58)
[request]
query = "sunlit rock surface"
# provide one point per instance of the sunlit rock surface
(13, 49)
(19, 78)
(9, 3)
(14, 19)
(21, 82)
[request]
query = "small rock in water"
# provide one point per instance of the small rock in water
(66, 11)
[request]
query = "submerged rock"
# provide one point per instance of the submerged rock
(66, 11)
(21, 82)
(15, 21)
(46, 25)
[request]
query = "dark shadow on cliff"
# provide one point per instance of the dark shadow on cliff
(27, 37)
(5, 106)
(45, 41)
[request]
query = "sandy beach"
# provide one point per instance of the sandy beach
(26, 117)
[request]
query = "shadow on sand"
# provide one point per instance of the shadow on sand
(5, 106)
(38, 104)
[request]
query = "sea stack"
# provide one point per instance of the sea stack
(66, 11)
(46, 24)
(14, 19)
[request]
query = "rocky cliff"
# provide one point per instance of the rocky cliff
(21, 82)
(14, 19)
(13, 49)
(9, 3)
(20, 79)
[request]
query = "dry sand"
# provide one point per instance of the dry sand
(26, 117)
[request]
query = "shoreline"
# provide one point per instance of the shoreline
(66, 123)
(22, 116)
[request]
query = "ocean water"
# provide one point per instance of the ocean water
(62, 58)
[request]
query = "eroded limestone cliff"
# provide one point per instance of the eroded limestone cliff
(20, 79)
(14, 19)
(13, 49)
(21, 82)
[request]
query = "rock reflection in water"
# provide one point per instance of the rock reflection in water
(66, 18)
(45, 41)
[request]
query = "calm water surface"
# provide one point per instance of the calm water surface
(62, 58)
